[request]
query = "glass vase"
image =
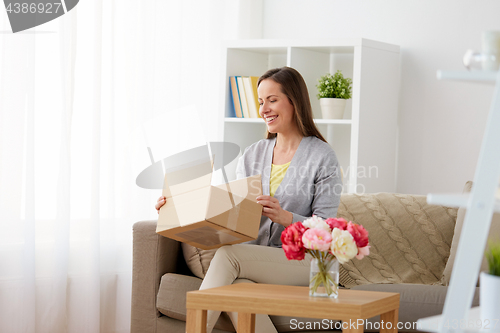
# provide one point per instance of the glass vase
(324, 277)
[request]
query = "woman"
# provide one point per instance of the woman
(300, 177)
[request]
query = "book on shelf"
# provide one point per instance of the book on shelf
(243, 90)
(236, 106)
(243, 97)
(254, 80)
(249, 92)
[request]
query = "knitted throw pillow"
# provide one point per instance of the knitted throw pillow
(410, 240)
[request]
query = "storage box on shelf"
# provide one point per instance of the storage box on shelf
(365, 140)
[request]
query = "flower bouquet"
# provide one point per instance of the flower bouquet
(330, 242)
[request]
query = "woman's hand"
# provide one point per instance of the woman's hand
(161, 201)
(271, 208)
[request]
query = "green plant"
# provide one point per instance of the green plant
(334, 86)
(493, 258)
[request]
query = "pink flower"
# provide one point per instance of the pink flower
(339, 223)
(359, 234)
(291, 238)
(363, 251)
(317, 239)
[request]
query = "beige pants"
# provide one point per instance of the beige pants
(260, 264)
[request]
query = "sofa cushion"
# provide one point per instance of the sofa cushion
(197, 260)
(494, 234)
(171, 299)
(416, 301)
(410, 240)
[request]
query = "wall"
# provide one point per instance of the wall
(441, 123)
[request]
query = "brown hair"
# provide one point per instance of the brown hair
(294, 87)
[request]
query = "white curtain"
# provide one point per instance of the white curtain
(76, 95)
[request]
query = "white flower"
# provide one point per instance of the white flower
(343, 245)
(316, 222)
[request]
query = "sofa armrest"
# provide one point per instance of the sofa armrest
(153, 256)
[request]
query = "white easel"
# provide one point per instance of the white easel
(481, 204)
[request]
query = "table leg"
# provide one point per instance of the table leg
(389, 321)
(196, 321)
(246, 323)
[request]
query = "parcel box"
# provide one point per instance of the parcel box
(207, 216)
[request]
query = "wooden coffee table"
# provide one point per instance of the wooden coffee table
(249, 298)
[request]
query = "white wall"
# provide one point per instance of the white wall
(441, 123)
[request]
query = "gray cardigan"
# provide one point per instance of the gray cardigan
(312, 183)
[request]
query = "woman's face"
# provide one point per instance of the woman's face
(275, 107)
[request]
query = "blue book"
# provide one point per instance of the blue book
(233, 84)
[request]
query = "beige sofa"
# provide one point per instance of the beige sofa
(410, 246)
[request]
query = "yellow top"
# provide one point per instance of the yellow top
(277, 174)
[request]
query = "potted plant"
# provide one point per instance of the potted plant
(333, 91)
(490, 284)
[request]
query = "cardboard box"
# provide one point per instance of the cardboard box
(207, 216)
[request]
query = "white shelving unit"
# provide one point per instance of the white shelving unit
(481, 204)
(365, 140)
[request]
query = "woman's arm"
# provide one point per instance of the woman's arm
(327, 188)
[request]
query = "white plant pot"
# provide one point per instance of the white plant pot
(489, 300)
(332, 108)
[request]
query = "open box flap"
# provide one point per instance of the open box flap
(246, 188)
(234, 204)
(186, 188)
(188, 177)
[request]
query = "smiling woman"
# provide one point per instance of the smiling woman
(300, 178)
(276, 108)
(287, 85)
